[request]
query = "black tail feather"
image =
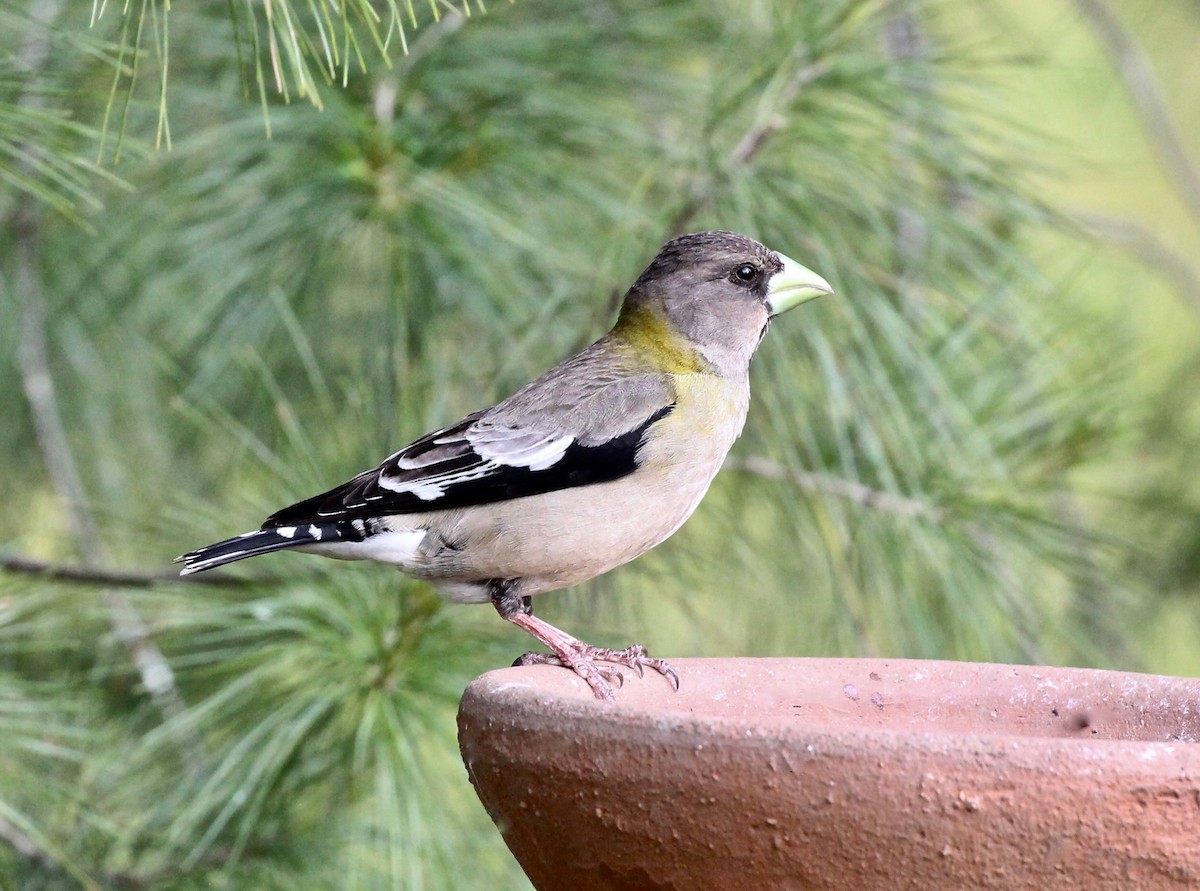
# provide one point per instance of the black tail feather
(263, 541)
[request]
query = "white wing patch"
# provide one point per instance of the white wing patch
(433, 486)
(540, 454)
(496, 447)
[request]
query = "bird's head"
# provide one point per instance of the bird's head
(717, 292)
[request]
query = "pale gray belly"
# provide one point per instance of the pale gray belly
(559, 539)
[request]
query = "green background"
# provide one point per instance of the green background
(248, 250)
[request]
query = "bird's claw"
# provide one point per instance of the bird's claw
(612, 675)
(635, 657)
(601, 679)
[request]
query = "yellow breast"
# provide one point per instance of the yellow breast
(709, 414)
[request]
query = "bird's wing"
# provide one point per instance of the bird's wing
(490, 456)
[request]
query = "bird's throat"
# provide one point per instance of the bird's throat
(646, 329)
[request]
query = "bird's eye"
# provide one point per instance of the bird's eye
(745, 274)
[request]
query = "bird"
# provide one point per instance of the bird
(587, 467)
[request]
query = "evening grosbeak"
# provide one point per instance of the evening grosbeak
(587, 467)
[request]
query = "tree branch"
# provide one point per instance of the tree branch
(89, 575)
(909, 508)
(859, 493)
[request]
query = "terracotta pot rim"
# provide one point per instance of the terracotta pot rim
(563, 695)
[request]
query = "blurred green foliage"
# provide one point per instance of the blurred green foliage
(979, 449)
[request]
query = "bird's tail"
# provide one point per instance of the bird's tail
(251, 544)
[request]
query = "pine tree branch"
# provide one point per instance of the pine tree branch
(89, 575)
(909, 508)
(1138, 77)
(859, 493)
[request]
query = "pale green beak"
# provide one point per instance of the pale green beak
(793, 285)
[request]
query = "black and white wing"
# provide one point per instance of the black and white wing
(476, 461)
(552, 436)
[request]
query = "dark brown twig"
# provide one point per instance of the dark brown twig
(90, 575)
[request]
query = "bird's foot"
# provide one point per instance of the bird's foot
(583, 658)
(570, 652)
(599, 678)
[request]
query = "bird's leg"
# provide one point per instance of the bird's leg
(569, 651)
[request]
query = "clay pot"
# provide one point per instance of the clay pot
(842, 774)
